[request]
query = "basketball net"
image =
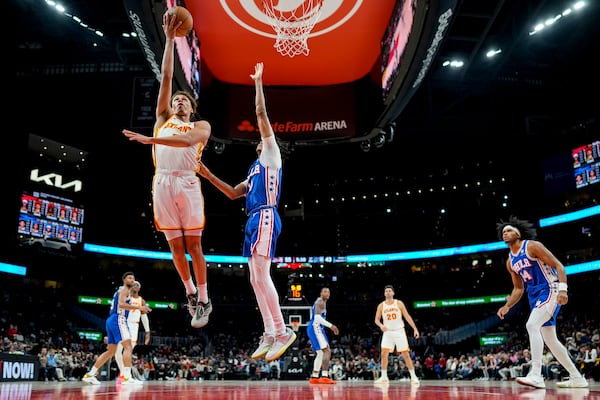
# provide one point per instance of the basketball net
(292, 30)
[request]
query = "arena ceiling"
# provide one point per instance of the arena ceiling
(538, 85)
(532, 72)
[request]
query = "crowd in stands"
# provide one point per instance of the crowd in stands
(52, 336)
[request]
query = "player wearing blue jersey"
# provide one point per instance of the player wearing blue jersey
(262, 188)
(535, 270)
(117, 332)
(318, 338)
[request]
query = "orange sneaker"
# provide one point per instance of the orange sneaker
(313, 380)
(326, 380)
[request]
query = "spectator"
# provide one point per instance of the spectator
(521, 364)
(588, 359)
(221, 370)
(440, 369)
(47, 366)
(504, 366)
(451, 366)
(57, 360)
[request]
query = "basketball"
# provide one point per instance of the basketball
(183, 16)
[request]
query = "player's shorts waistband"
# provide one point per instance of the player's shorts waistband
(259, 208)
(175, 172)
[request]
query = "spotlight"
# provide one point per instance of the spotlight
(379, 141)
(219, 147)
(365, 146)
(391, 130)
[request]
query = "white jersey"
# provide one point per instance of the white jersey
(392, 316)
(135, 315)
(134, 318)
(177, 198)
(169, 158)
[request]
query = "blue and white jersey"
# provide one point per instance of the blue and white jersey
(263, 185)
(536, 275)
(263, 188)
(114, 307)
(117, 329)
(315, 330)
(313, 311)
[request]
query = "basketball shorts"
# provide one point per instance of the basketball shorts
(395, 339)
(178, 203)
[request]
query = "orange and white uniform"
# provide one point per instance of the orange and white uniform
(395, 334)
(177, 195)
(134, 318)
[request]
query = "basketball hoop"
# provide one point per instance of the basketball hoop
(295, 325)
(292, 30)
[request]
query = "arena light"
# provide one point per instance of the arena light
(365, 146)
(219, 147)
(391, 131)
(552, 20)
(379, 140)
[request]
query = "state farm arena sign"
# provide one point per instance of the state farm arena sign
(296, 114)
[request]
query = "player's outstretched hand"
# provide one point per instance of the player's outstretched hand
(137, 137)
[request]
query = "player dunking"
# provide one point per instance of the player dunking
(178, 142)
(393, 312)
(318, 338)
(133, 322)
(533, 268)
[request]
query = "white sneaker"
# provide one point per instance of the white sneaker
(415, 381)
(207, 309)
(192, 303)
(580, 382)
(534, 381)
(91, 379)
(200, 318)
(382, 379)
(281, 344)
(130, 381)
(266, 342)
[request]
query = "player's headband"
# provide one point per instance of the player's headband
(512, 228)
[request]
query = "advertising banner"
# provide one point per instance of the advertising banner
(18, 367)
(296, 114)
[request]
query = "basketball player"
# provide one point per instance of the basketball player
(118, 332)
(262, 189)
(534, 269)
(318, 338)
(393, 312)
(178, 142)
(133, 322)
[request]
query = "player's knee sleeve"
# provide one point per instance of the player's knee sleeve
(318, 360)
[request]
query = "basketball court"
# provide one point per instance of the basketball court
(296, 390)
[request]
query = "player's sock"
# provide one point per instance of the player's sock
(189, 286)
(202, 293)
